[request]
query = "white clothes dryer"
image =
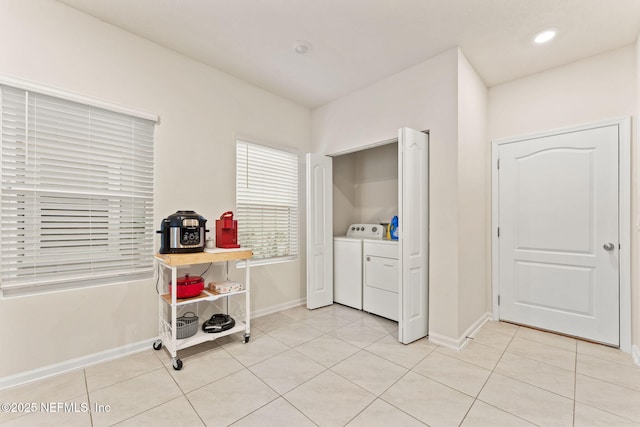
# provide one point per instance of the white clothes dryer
(380, 280)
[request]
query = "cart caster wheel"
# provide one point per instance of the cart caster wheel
(246, 338)
(177, 364)
(157, 345)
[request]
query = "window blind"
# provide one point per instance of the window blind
(76, 195)
(267, 201)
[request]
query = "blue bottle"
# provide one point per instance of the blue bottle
(394, 228)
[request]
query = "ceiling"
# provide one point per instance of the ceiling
(357, 42)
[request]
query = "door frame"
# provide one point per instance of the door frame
(624, 216)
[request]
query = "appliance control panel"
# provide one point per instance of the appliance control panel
(366, 231)
(190, 236)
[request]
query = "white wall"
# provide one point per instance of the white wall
(598, 88)
(423, 97)
(365, 187)
(376, 178)
(635, 210)
(201, 111)
(473, 211)
(590, 90)
(345, 211)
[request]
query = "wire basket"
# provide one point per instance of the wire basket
(186, 325)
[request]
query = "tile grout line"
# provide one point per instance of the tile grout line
(601, 380)
(542, 361)
(325, 369)
(575, 385)
(279, 395)
(409, 370)
(360, 349)
(379, 397)
(475, 399)
(148, 409)
(86, 387)
(554, 366)
(392, 361)
(243, 367)
(529, 384)
(391, 404)
(428, 351)
(574, 371)
(183, 394)
(154, 407)
(127, 379)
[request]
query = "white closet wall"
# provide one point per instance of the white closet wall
(365, 187)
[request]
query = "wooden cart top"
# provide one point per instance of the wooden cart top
(210, 255)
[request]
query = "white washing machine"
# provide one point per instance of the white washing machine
(347, 263)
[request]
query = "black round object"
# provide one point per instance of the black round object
(218, 323)
(175, 220)
(182, 232)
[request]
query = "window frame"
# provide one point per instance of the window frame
(42, 284)
(294, 227)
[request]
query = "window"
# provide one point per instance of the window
(267, 201)
(76, 199)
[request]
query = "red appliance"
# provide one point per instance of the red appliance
(188, 286)
(227, 231)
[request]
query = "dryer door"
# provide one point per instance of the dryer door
(381, 273)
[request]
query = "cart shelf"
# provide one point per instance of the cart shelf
(211, 255)
(205, 295)
(172, 262)
(198, 338)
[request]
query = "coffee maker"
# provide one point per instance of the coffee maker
(227, 231)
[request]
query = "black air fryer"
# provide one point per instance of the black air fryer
(183, 232)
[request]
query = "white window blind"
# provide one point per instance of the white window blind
(267, 201)
(76, 195)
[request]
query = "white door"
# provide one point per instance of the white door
(413, 206)
(558, 233)
(319, 230)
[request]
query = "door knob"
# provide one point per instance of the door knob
(608, 246)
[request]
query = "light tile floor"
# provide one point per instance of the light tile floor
(336, 366)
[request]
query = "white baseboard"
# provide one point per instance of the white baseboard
(460, 342)
(635, 353)
(444, 341)
(104, 356)
(276, 308)
(476, 327)
(72, 364)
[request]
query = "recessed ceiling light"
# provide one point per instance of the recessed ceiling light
(301, 47)
(544, 37)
